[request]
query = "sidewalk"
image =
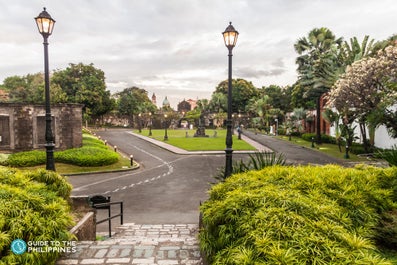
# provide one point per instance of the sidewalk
(164, 244)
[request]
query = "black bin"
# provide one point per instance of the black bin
(98, 199)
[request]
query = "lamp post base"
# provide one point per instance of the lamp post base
(50, 162)
(229, 162)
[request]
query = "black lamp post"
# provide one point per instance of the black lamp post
(230, 37)
(139, 122)
(165, 128)
(45, 24)
(150, 124)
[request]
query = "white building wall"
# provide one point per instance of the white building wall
(382, 138)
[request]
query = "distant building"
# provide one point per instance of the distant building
(193, 103)
(184, 106)
(4, 95)
(154, 99)
(166, 103)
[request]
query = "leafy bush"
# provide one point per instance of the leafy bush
(33, 208)
(26, 159)
(324, 138)
(358, 148)
(257, 161)
(299, 215)
(389, 155)
(281, 131)
(87, 156)
(93, 153)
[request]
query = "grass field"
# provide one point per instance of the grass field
(180, 139)
(330, 149)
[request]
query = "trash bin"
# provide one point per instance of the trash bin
(98, 199)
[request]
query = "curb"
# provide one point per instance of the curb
(180, 151)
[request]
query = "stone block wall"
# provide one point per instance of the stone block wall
(22, 126)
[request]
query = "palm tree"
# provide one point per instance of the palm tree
(317, 53)
(355, 51)
(260, 107)
(218, 102)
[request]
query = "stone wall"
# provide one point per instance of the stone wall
(22, 126)
(85, 229)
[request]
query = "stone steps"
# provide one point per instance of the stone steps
(164, 244)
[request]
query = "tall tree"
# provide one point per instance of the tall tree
(368, 89)
(132, 101)
(85, 84)
(30, 89)
(316, 50)
(279, 97)
(242, 92)
(218, 102)
(354, 51)
(261, 109)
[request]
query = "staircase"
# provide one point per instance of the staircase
(164, 244)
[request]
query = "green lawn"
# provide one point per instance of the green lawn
(330, 149)
(178, 138)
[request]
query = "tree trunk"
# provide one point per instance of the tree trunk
(318, 121)
(364, 135)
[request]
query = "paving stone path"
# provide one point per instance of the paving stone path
(164, 244)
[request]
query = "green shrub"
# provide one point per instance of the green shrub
(26, 159)
(91, 141)
(87, 156)
(389, 155)
(93, 153)
(281, 131)
(298, 215)
(256, 161)
(324, 138)
(32, 209)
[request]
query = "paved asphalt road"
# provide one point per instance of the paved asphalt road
(167, 188)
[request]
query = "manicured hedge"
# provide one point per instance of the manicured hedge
(87, 156)
(26, 159)
(93, 153)
(301, 215)
(324, 138)
(33, 207)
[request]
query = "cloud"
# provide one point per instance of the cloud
(176, 45)
(248, 72)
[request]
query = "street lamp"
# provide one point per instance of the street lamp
(45, 24)
(230, 37)
(150, 124)
(139, 123)
(165, 128)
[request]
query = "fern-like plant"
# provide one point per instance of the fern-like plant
(390, 155)
(256, 161)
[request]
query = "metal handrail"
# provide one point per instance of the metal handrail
(106, 205)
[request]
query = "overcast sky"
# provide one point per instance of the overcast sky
(175, 47)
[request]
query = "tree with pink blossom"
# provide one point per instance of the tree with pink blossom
(368, 91)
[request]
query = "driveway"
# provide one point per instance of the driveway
(167, 188)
